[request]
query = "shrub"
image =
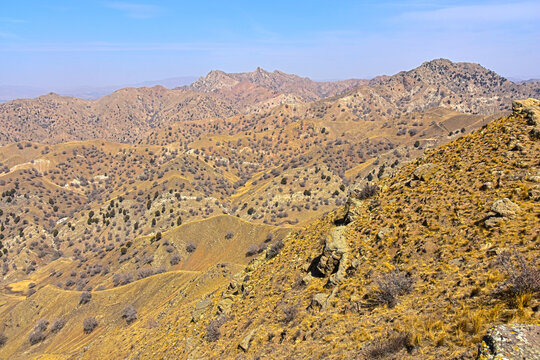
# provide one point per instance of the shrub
(368, 191)
(144, 273)
(522, 278)
(388, 345)
(89, 324)
(390, 286)
(229, 235)
(252, 250)
(213, 331)
(175, 259)
(289, 314)
(36, 336)
(42, 325)
(57, 325)
(191, 247)
(129, 313)
(85, 297)
(274, 249)
(3, 340)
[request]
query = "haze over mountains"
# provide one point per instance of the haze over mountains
(8, 92)
(256, 215)
(129, 114)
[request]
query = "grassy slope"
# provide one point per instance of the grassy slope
(434, 234)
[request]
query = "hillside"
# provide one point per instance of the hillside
(130, 115)
(418, 266)
(421, 268)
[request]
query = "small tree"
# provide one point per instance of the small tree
(85, 297)
(129, 313)
(89, 324)
(36, 336)
(191, 247)
(42, 325)
(57, 325)
(175, 259)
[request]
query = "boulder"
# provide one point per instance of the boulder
(493, 221)
(530, 109)
(334, 259)
(504, 207)
(381, 235)
(319, 301)
(200, 309)
(511, 342)
(246, 341)
(534, 193)
(425, 172)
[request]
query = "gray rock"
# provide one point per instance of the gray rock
(534, 193)
(319, 301)
(504, 207)
(200, 309)
(492, 222)
(511, 342)
(425, 172)
(381, 235)
(486, 186)
(334, 259)
(246, 341)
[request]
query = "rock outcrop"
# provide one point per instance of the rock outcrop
(511, 342)
(335, 257)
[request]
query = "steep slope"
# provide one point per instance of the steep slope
(464, 87)
(411, 271)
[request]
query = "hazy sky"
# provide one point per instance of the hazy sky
(57, 43)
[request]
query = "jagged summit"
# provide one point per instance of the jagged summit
(279, 81)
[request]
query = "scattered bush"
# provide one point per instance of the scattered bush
(368, 191)
(289, 314)
(191, 247)
(389, 287)
(274, 249)
(86, 296)
(89, 324)
(57, 325)
(269, 237)
(42, 325)
(213, 331)
(175, 259)
(252, 250)
(129, 313)
(36, 336)
(388, 345)
(522, 278)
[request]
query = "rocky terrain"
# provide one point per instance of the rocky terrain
(201, 222)
(129, 115)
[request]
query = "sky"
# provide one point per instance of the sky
(61, 44)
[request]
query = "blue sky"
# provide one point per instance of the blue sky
(73, 43)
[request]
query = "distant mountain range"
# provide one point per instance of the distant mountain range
(12, 92)
(127, 115)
